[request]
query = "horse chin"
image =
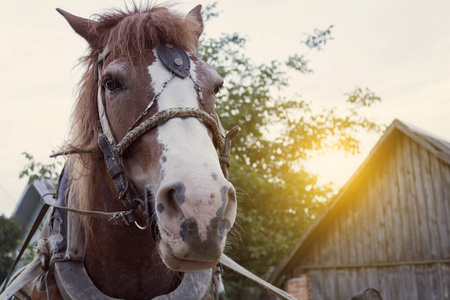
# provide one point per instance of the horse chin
(181, 265)
(184, 265)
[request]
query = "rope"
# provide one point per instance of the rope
(155, 98)
(225, 260)
(222, 143)
(117, 218)
(74, 151)
(164, 116)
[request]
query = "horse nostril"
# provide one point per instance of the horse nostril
(173, 199)
(189, 230)
(170, 201)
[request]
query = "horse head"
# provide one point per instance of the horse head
(145, 65)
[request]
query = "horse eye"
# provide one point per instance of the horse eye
(113, 85)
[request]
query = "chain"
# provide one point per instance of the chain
(155, 98)
(200, 95)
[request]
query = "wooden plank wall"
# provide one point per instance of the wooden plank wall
(409, 282)
(400, 212)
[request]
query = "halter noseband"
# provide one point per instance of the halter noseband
(177, 62)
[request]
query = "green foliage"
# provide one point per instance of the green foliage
(362, 98)
(10, 234)
(278, 199)
(209, 11)
(36, 170)
(299, 63)
(319, 39)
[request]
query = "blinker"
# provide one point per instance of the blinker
(175, 59)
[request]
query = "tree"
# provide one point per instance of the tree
(10, 234)
(277, 199)
(39, 171)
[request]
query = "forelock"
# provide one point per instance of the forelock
(138, 30)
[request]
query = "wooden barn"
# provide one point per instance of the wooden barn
(388, 228)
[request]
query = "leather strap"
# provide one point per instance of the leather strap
(175, 59)
(103, 118)
(124, 186)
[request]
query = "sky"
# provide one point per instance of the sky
(399, 49)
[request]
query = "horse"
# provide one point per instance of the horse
(144, 140)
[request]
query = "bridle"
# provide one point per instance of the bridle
(177, 62)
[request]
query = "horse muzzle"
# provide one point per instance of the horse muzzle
(194, 222)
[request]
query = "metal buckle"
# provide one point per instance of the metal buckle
(121, 216)
(139, 226)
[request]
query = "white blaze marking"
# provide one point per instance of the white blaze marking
(186, 141)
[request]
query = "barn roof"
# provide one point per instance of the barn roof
(435, 145)
(29, 204)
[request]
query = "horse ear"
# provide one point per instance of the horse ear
(196, 12)
(84, 27)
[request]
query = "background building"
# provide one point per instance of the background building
(388, 228)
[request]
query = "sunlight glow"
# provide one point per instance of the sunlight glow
(334, 166)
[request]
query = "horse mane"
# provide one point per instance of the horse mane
(128, 33)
